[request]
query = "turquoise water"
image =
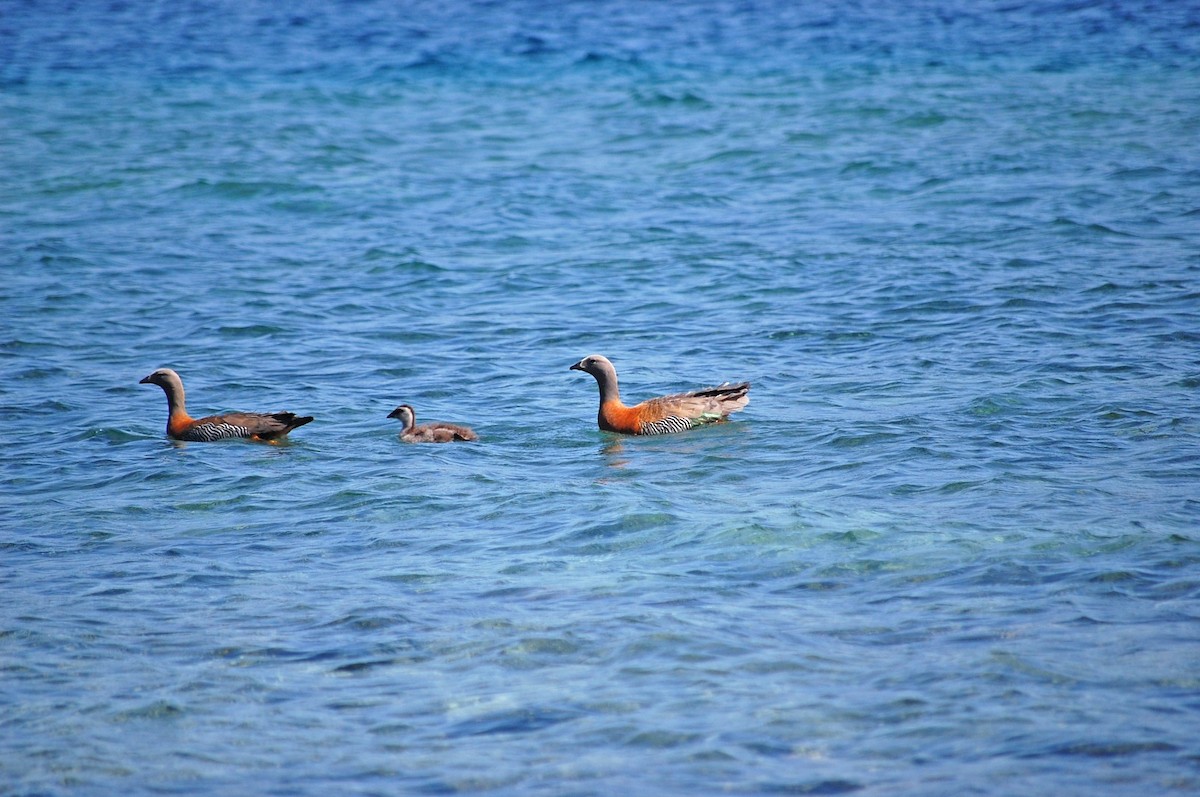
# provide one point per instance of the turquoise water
(951, 547)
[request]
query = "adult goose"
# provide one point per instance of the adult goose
(665, 414)
(267, 426)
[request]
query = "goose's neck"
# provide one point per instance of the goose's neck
(609, 391)
(176, 408)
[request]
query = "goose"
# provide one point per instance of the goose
(267, 426)
(664, 414)
(436, 432)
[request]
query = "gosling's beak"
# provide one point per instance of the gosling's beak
(145, 380)
(394, 413)
(577, 366)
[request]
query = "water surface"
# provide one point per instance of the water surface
(950, 547)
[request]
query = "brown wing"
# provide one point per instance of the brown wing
(684, 410)
(439, 433)
(448, 432)
(264, 426)
(276, 424)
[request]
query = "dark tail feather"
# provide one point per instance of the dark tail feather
(740, 389)
(291, 421)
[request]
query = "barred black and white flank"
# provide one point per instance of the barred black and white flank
(210, 432)
(668, 425)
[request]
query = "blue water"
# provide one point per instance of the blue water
(952, 547)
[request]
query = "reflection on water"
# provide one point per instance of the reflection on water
(613, 451)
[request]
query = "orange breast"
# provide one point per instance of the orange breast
(616, 417)
(178, 424)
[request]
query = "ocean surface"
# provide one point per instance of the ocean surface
(952, 547)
